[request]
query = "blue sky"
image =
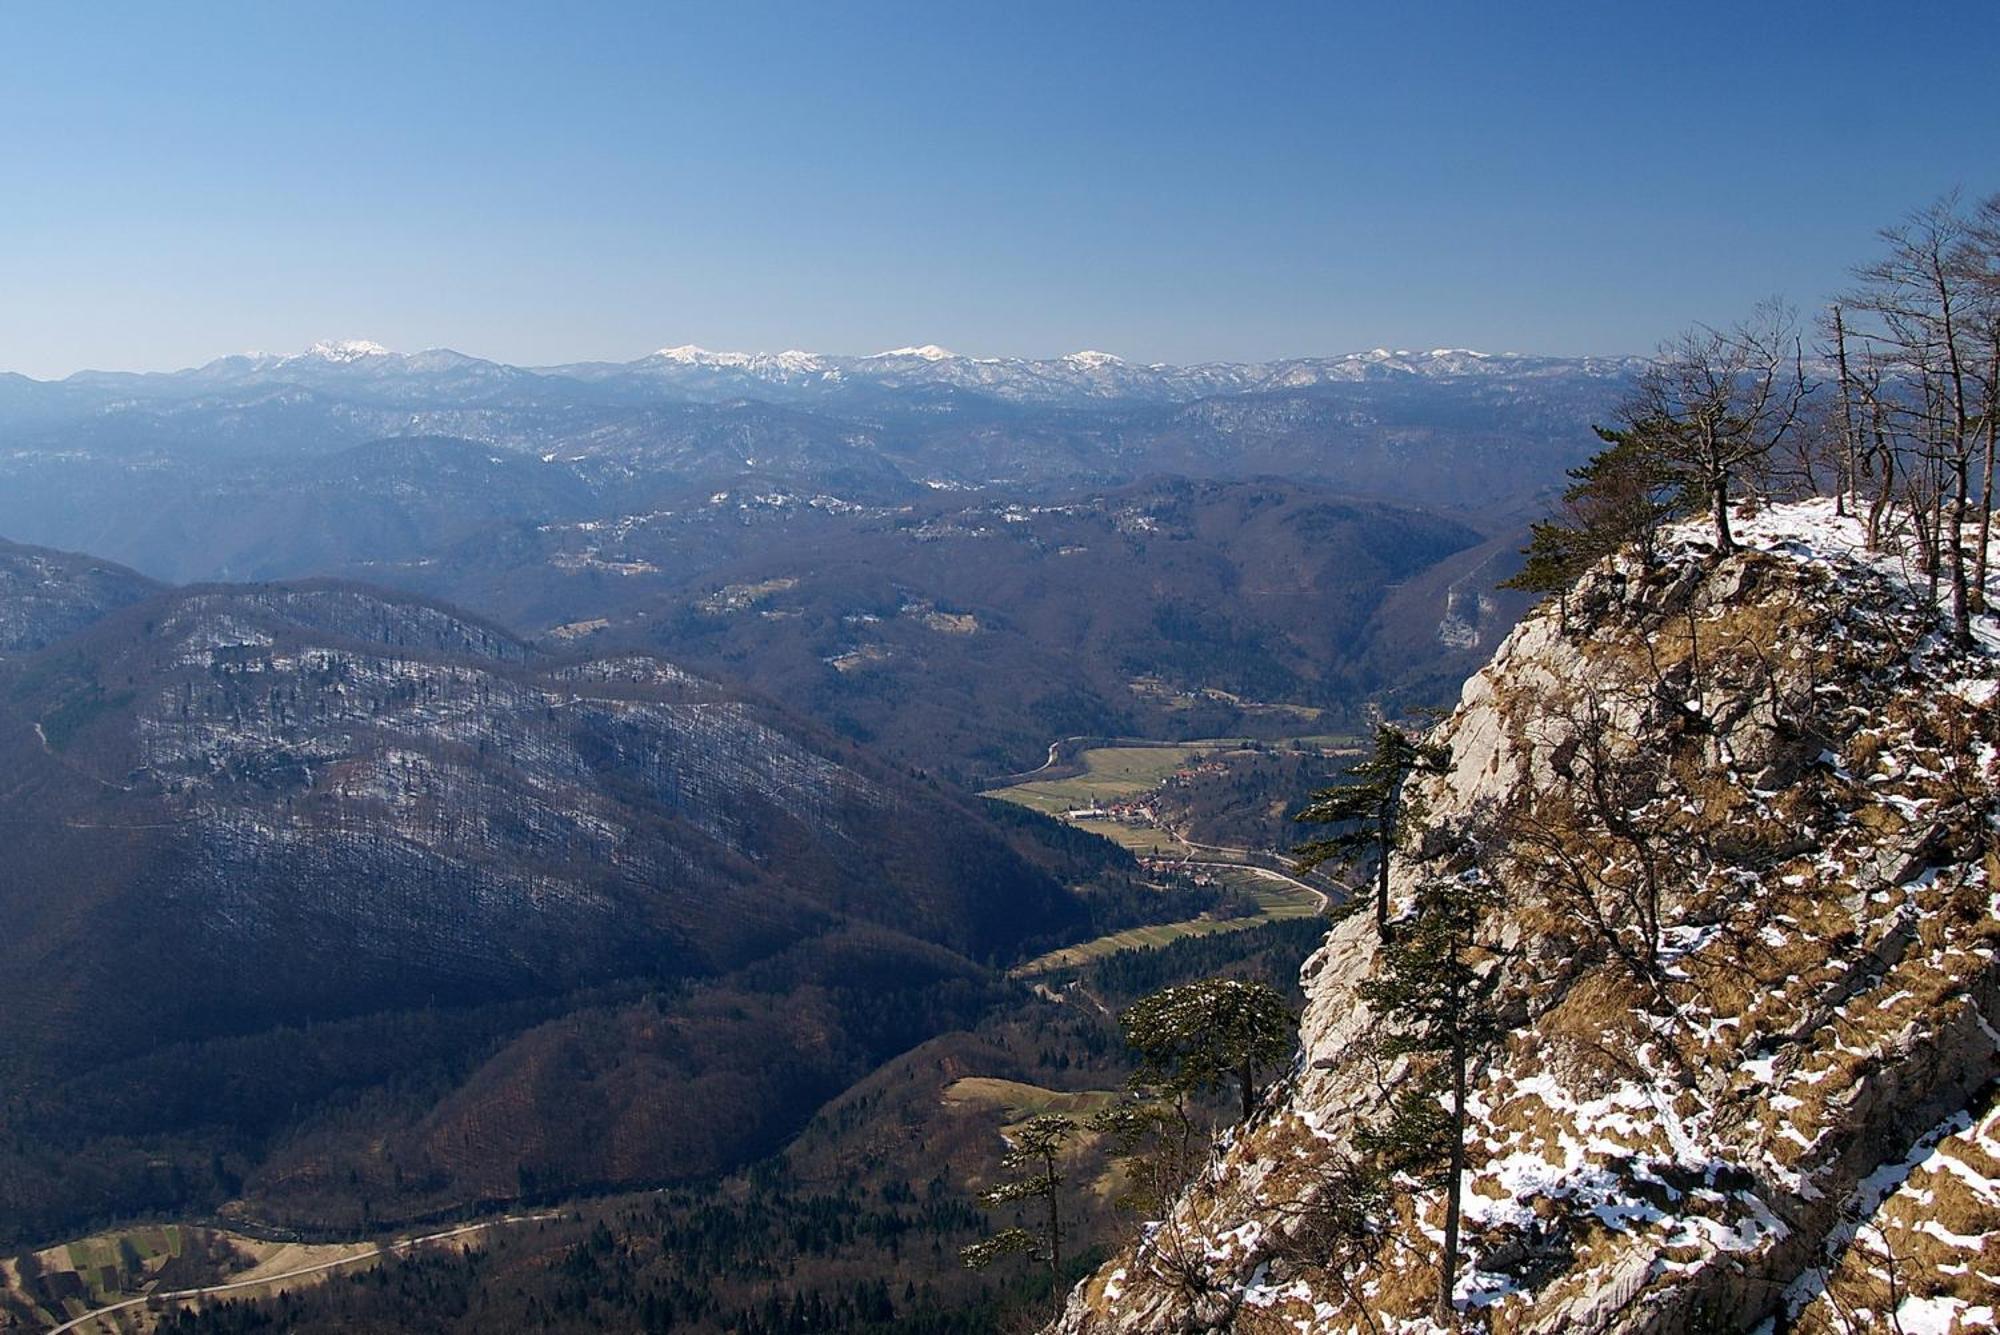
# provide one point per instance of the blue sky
(539, 183)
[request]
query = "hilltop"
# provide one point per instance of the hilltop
(1772, 1099)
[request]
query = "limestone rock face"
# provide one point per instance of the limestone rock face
(1739, 812)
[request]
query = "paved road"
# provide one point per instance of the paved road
(183, 1295)
(1286, 877)
(1240, 858)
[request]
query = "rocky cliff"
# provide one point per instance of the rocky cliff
(1738, 815)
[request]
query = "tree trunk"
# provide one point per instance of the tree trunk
(1248, 1075)
(1385, 839)
(1935, 548)
(1448, 1280)
(1885, 450)
(1718, 485)
(1986, 482)
(1961, 612)
(1850, 489)
(1055, 1221)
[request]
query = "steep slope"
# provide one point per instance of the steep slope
(235, 810)
(1738, 813)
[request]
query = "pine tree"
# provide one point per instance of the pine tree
(1201, 1035)
(1371, 801)
(1620, 497)
(1557, 552)
(1035, 1162)
(1436, 987)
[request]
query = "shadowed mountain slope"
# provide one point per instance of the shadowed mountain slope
(44, 595)
(235, 810)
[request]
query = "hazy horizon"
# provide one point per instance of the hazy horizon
(846, 353)
(1170, 184)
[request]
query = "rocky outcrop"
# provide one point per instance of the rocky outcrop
(1738, 812)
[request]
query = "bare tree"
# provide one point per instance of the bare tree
(1928, 316)
(1338, 1226)
(1984, 265)
(1820, 454)
(1716, 403)
(1861, 377)
(1850, 427)
(1597, 845)
(1162, 1149)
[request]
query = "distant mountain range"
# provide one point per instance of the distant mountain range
(1035, 497)
(692, 374)
(146, 467)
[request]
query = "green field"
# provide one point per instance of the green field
(1274, 899)
(1110, 774)
(1118, 773)
(1143, 841)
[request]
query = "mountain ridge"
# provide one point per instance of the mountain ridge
(1078, 377)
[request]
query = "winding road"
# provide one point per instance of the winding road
(1325, 901)
(393, 1248)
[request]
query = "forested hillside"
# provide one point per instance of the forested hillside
(347, 906)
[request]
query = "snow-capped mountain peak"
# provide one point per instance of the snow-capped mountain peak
(796, 359)
(1086, 376)
(344, 350)
(687, 354)
(792, 361)
(929, 352)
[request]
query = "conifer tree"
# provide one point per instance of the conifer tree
(1619, 497)
(1372, 803)
(1035, 1162)
(1198, 1036)
(1557, 552)
(1436, 987)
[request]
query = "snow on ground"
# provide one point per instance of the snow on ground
(1921, 1241)
(1813, 532)
(1646, 1144)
